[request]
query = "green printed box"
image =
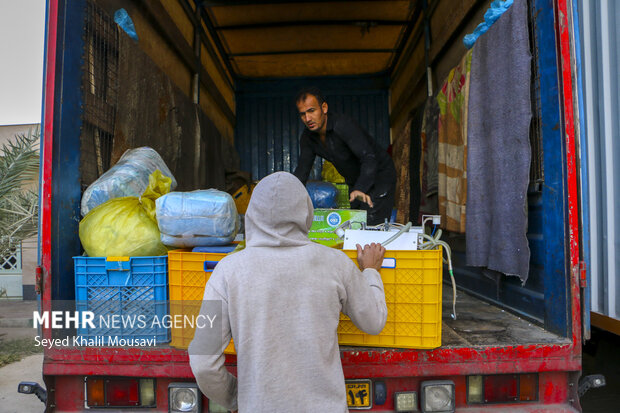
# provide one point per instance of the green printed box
(342, 198)
(327, 220)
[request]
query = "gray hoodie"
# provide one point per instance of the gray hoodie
(281, 301)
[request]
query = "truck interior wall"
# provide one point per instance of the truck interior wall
(166, 35)
(111, 96)
(129, 102)
(148, 97)
(268, 123)
(545, 295)
(449, 22)
(152, 111)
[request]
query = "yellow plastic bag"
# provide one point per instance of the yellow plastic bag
(330, 174)
(126, 226)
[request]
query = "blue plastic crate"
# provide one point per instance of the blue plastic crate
(134, 289)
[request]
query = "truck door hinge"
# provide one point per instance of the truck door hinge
(38, 280)
(583, 275)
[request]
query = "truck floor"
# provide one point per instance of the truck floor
(479, 323)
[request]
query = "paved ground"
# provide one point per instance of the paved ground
(16, 323)
(29, 369)
(16, 319)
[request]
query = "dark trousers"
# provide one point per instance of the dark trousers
(382, 196)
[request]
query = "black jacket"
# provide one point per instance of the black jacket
(364, 165)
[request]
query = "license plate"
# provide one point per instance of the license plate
(359, 394)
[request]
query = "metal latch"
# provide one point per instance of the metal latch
(583, 275)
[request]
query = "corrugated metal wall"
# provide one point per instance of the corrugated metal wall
(600, 40)
(268, 123)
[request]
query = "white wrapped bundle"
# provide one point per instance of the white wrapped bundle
(198, 218)
(129, 177)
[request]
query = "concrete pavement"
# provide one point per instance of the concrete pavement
(29, 369)
(16, 323)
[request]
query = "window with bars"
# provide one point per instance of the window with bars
(99, 92)
(11, 263)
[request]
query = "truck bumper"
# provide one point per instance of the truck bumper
(532, 408)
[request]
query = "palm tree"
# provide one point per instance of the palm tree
(19, 198)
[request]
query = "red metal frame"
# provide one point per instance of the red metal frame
(563, 37)
(48, 139)
(170, 362)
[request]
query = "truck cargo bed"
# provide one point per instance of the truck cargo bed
(479, 323)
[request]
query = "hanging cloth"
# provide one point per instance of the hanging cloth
(452, 149)
(499, 147)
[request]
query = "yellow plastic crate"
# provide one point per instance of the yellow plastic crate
(413, 298)
(186, 282)
(412, 294)
(242, 197)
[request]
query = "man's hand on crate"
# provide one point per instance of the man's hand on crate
(371, 256)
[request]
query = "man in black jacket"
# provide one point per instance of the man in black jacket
(367, 169)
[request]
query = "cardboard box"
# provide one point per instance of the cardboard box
(327, 220)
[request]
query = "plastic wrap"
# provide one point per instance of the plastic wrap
(322, 194)
(197, 218)
(126, 226)
(121, 17)
(494, 12)
(129, 177)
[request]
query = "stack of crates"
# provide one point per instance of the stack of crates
(188, 274)
(412, 281)
(126, 289)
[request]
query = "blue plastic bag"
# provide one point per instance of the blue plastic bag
(322, 194)
(497, 8)
(121, 17)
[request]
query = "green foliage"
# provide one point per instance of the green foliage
(15, 350)
(19, 199)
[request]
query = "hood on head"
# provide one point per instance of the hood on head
(280, 212)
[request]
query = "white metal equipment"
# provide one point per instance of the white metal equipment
(406, 241)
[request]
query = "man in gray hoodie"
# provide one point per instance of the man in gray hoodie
(281, 301)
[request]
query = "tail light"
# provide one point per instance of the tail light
(502, 388)
(120, 392)
(406, 401)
